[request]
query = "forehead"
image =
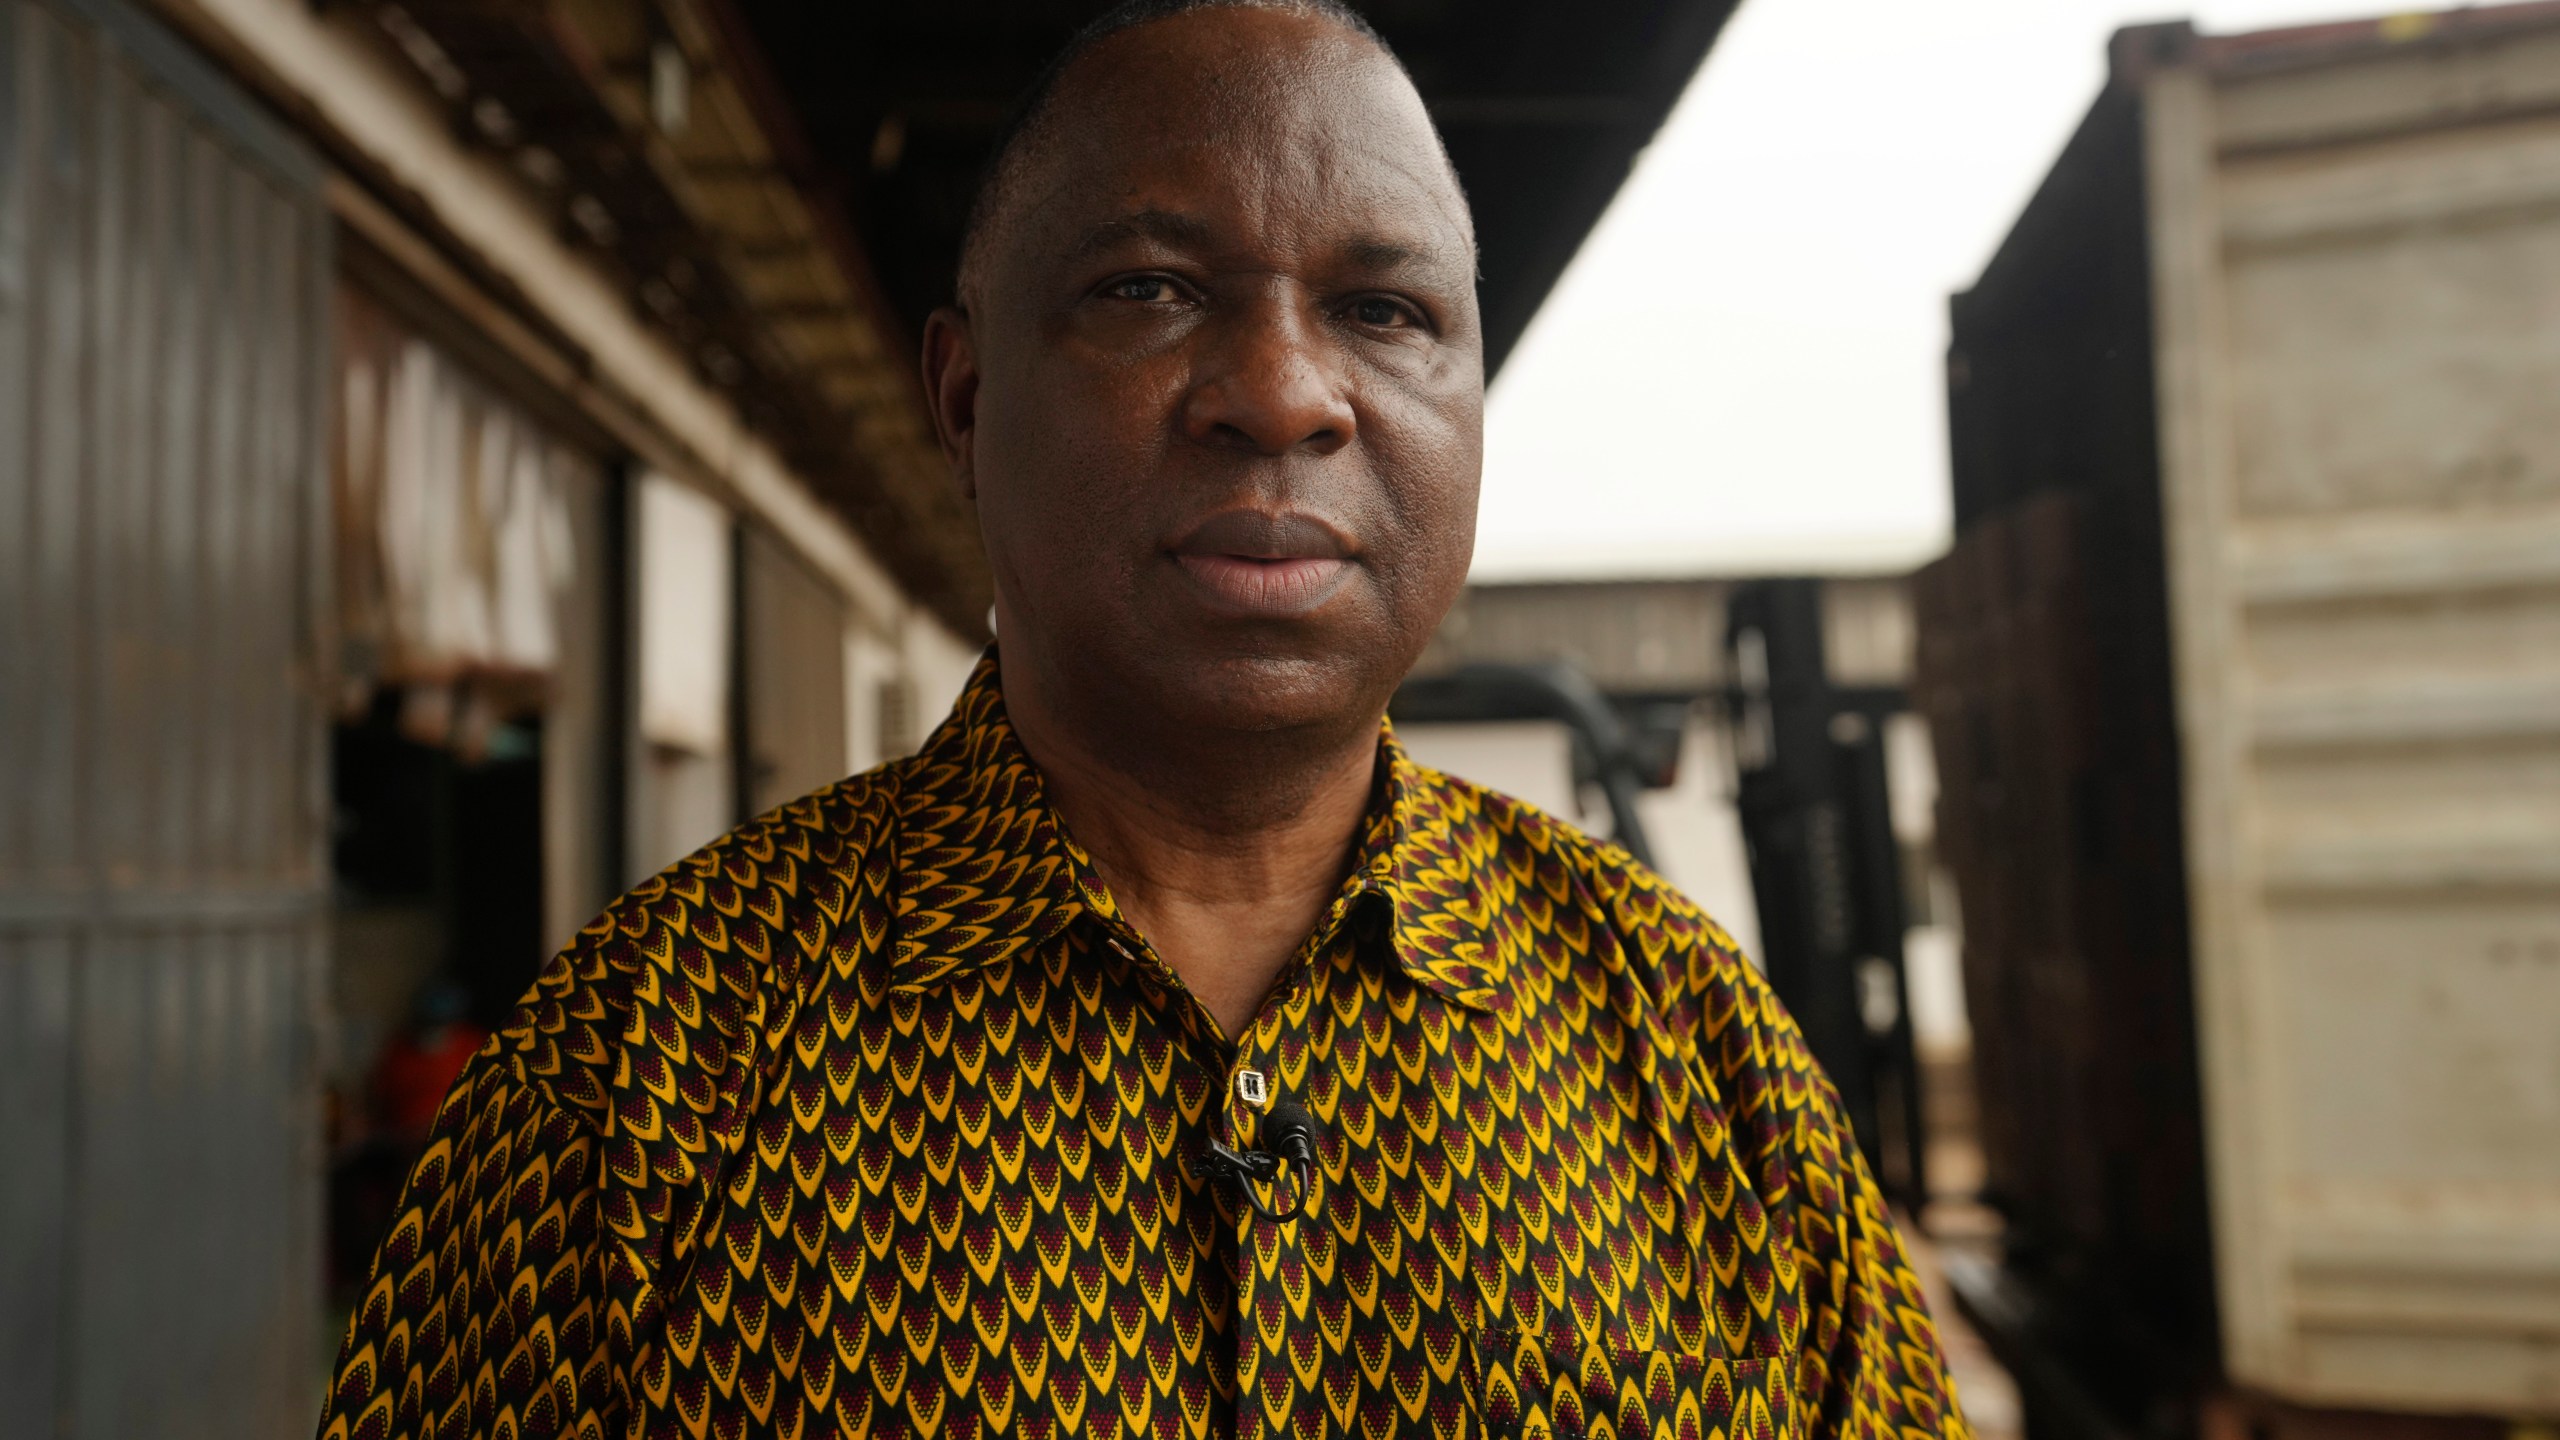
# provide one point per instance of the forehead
(1289, 122)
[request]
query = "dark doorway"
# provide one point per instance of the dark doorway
(438, 861)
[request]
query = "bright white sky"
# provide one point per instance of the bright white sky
(1740, 371)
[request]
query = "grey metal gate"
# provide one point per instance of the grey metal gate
(163, 263)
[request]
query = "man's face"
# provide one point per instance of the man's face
(1220, 395)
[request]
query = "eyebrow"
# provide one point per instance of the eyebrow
(1190, 232)
(1165, 225)
(1426, 263)
(1389, 254)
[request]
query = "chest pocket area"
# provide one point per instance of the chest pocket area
(1527, 1388)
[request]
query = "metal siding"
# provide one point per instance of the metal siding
(177, 484)
(16, 523)
(121, 498)
(57, 69)
(162, 258)
(35, 1089)
(18, 573)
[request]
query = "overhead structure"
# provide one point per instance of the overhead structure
(664, 150)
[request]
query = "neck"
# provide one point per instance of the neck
(1223, 852)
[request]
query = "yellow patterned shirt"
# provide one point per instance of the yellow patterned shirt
(876, 1118)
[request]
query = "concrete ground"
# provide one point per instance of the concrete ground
(1955, 1223)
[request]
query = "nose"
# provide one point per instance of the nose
(1268, 382)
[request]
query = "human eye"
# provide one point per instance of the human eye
(1143, 289)
(1384, 312)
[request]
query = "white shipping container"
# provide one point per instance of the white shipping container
(2244, 676)
(2355, 262)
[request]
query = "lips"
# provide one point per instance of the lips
(1264, 566)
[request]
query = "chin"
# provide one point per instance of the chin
(1263, 691)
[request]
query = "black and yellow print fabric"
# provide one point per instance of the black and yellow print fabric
(875, 1118)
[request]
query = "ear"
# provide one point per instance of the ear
(951, 389)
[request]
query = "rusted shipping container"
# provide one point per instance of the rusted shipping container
(2245, 681)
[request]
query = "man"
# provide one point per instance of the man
(1161, 1051)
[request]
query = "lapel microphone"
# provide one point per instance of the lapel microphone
(1289, 1139)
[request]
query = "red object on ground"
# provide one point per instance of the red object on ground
(416, 1072)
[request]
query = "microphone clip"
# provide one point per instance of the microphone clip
(1291, 1135)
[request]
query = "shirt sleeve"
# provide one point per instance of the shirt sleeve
(1870, 1366)
(569, 1181)
(485, 1312)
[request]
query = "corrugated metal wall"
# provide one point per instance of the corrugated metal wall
(162, 261)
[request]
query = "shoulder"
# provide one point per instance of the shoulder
(1584, 910)
(1571, 908)
(692, 973)
(1514, 836)
(1691, 969)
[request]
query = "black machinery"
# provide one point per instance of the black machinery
(1826, 871)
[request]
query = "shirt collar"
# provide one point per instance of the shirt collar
(985, 871)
